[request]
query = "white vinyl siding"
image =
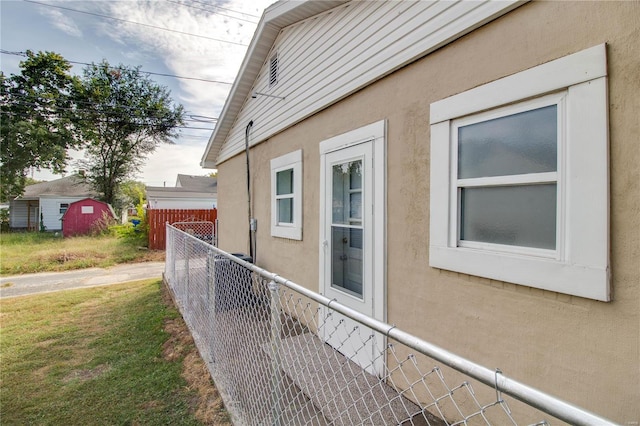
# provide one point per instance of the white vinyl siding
(323, 59)
(18, 213)
(182, 203)
(51, 208)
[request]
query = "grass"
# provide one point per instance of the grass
(98, 356)
(28, 252)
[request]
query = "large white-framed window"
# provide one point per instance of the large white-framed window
(519, 178)
(286, 196)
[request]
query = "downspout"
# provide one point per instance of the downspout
(252, 220)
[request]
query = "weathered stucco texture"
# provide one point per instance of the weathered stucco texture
(584, 351)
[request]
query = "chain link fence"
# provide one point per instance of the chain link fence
(202, 230)
(281, 354)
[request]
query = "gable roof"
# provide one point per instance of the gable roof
(330, 50)
(70, 186)
(197, 183)
(275, 18)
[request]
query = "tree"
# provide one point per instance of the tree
(122, 117)
(130, 193)
(35, 120)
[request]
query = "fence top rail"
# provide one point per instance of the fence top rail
(494, 378)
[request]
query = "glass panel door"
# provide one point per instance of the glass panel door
(346, 228)
(352, 242)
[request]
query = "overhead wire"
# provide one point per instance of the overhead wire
(51, 110)
(193, 117)
(24, 54)
(210, 11)
(225, 8)
(136, 23)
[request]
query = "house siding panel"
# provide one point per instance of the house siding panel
(581, 350)
(323, 60)
(50, 207)
(18, 213)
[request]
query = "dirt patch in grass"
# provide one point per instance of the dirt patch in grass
(208, 406)
(85, 375)
(150, 255)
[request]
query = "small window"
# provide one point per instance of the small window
(273, 70)
(86, 209)
(286, 190)
(64, 207)
(507, 177)
(519, 178)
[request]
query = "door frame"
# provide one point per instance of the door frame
(374, 133)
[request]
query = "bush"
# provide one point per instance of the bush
(136, 229)
(102, 226)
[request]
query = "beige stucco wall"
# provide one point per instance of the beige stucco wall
(584, 351)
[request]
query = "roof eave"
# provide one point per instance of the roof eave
(275, 18)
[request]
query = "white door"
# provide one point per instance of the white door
(352, 240)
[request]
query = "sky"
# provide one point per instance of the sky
(199, 39)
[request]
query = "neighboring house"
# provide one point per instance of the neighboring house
(82, 216)
(47, 201)
(190, 192)
(467, 171)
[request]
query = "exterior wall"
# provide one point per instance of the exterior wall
(50, 208)
(181, 203)
(18, 211)
(77, 223)
(317, 71)
(584, 351)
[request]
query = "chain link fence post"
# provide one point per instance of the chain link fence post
(186, 268)
(276, 327)
(211, 321)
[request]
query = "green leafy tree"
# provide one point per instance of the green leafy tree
(130, 193)
(35, 120)
(122, 117)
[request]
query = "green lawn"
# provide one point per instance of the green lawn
(93, 357)
(26, 252)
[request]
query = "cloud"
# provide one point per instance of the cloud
(62, 22)
(187, 55)
(182, 55)
(167, 161)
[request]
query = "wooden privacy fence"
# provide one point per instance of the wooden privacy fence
(157, 219)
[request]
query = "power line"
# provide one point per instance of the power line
(47, 109)
(137, 23)
(24, 54)
(224, 8)
(210, 11)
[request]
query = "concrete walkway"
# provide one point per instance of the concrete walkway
(45, 282)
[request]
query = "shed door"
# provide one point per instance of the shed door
(352, 252)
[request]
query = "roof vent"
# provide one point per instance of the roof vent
(273, 70)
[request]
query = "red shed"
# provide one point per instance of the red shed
(82, 214)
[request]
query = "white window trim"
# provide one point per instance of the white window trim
(292, 160)
(581, 263)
